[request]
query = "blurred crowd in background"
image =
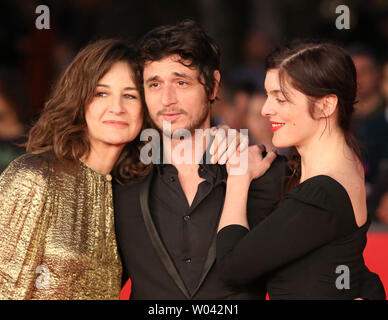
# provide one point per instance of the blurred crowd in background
(247, 30)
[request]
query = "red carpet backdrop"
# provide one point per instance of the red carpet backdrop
(376, 255)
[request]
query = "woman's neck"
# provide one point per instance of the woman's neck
(325, 155)
(102, 158)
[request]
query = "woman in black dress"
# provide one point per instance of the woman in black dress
(311, 246)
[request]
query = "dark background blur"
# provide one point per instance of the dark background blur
(246, 30)
(31, 60)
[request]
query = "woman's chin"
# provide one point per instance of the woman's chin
(119, 140)
(116, 142)
(281, 144)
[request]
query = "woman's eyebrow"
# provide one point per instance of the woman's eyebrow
(107, 86)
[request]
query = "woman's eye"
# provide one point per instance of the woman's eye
(280, 101)
(129, 96)
(101, 94)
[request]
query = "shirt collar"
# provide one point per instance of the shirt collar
(213, 173)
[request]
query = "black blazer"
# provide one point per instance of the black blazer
(146, 260)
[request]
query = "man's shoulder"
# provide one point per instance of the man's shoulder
(127, 186)
(130, 187)
(277, 170)
(275, 178)
(126, 196)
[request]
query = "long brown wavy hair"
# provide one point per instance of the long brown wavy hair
(62, 127)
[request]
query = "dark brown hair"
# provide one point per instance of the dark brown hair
(317, 69)
(188, 40)
(62, 125)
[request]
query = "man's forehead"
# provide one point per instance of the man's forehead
(170, 64)
(170, 57)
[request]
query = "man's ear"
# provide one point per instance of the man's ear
(326, 106)
(217, 78)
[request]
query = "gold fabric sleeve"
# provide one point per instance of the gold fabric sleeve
(57, 237)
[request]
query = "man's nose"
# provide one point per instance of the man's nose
(168, 95)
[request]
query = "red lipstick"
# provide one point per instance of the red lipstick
(276, 125)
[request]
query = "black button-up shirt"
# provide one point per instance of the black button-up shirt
(187, 231)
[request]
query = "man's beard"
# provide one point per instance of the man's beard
(195, 123)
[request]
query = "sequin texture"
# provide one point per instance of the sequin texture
(57, 236)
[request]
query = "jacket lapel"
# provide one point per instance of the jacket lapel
(155, 238)
(211, 257)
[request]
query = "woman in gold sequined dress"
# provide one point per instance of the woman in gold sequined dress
(57, 237)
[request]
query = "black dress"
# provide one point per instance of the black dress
(307, 248)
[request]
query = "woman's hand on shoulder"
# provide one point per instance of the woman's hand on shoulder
(250, 163)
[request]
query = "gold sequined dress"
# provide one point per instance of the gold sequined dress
(57, 236)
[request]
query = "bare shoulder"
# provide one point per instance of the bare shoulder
(354, 184)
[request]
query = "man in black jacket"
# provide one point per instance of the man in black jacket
(166, 224)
